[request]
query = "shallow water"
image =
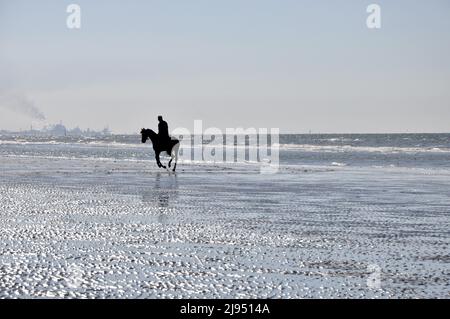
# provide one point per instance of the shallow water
(74, 224)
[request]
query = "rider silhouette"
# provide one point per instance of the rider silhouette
(163, 130)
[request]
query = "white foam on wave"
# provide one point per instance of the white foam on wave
(284, 147)
(367, 149)
(117, 144)
(111, 144)
(25, 142)
(338, 164)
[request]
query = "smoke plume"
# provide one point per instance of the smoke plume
(21, 104)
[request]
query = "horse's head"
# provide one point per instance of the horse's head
(147, 134)
(144, 135)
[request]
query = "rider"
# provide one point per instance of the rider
(163, 130)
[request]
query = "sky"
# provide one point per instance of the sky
(300, 66)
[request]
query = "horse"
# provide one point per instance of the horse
(171, 147)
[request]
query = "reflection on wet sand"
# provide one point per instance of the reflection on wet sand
(162, 195)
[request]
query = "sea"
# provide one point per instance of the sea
(428, 151)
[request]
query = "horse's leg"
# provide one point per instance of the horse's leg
(172, 154)
(158, 161)
(175, 155)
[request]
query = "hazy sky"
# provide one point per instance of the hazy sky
(292, 64)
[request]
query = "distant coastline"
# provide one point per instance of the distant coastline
(59, 130)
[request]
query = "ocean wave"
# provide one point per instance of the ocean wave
(207, 146)
(366, 149)
(338, 164)
(25, 142)
(112, 144)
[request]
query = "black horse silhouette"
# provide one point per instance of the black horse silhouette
(171, 146)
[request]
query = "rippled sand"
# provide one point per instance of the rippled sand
(95, 228)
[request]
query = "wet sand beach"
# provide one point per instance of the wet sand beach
(96, 228)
